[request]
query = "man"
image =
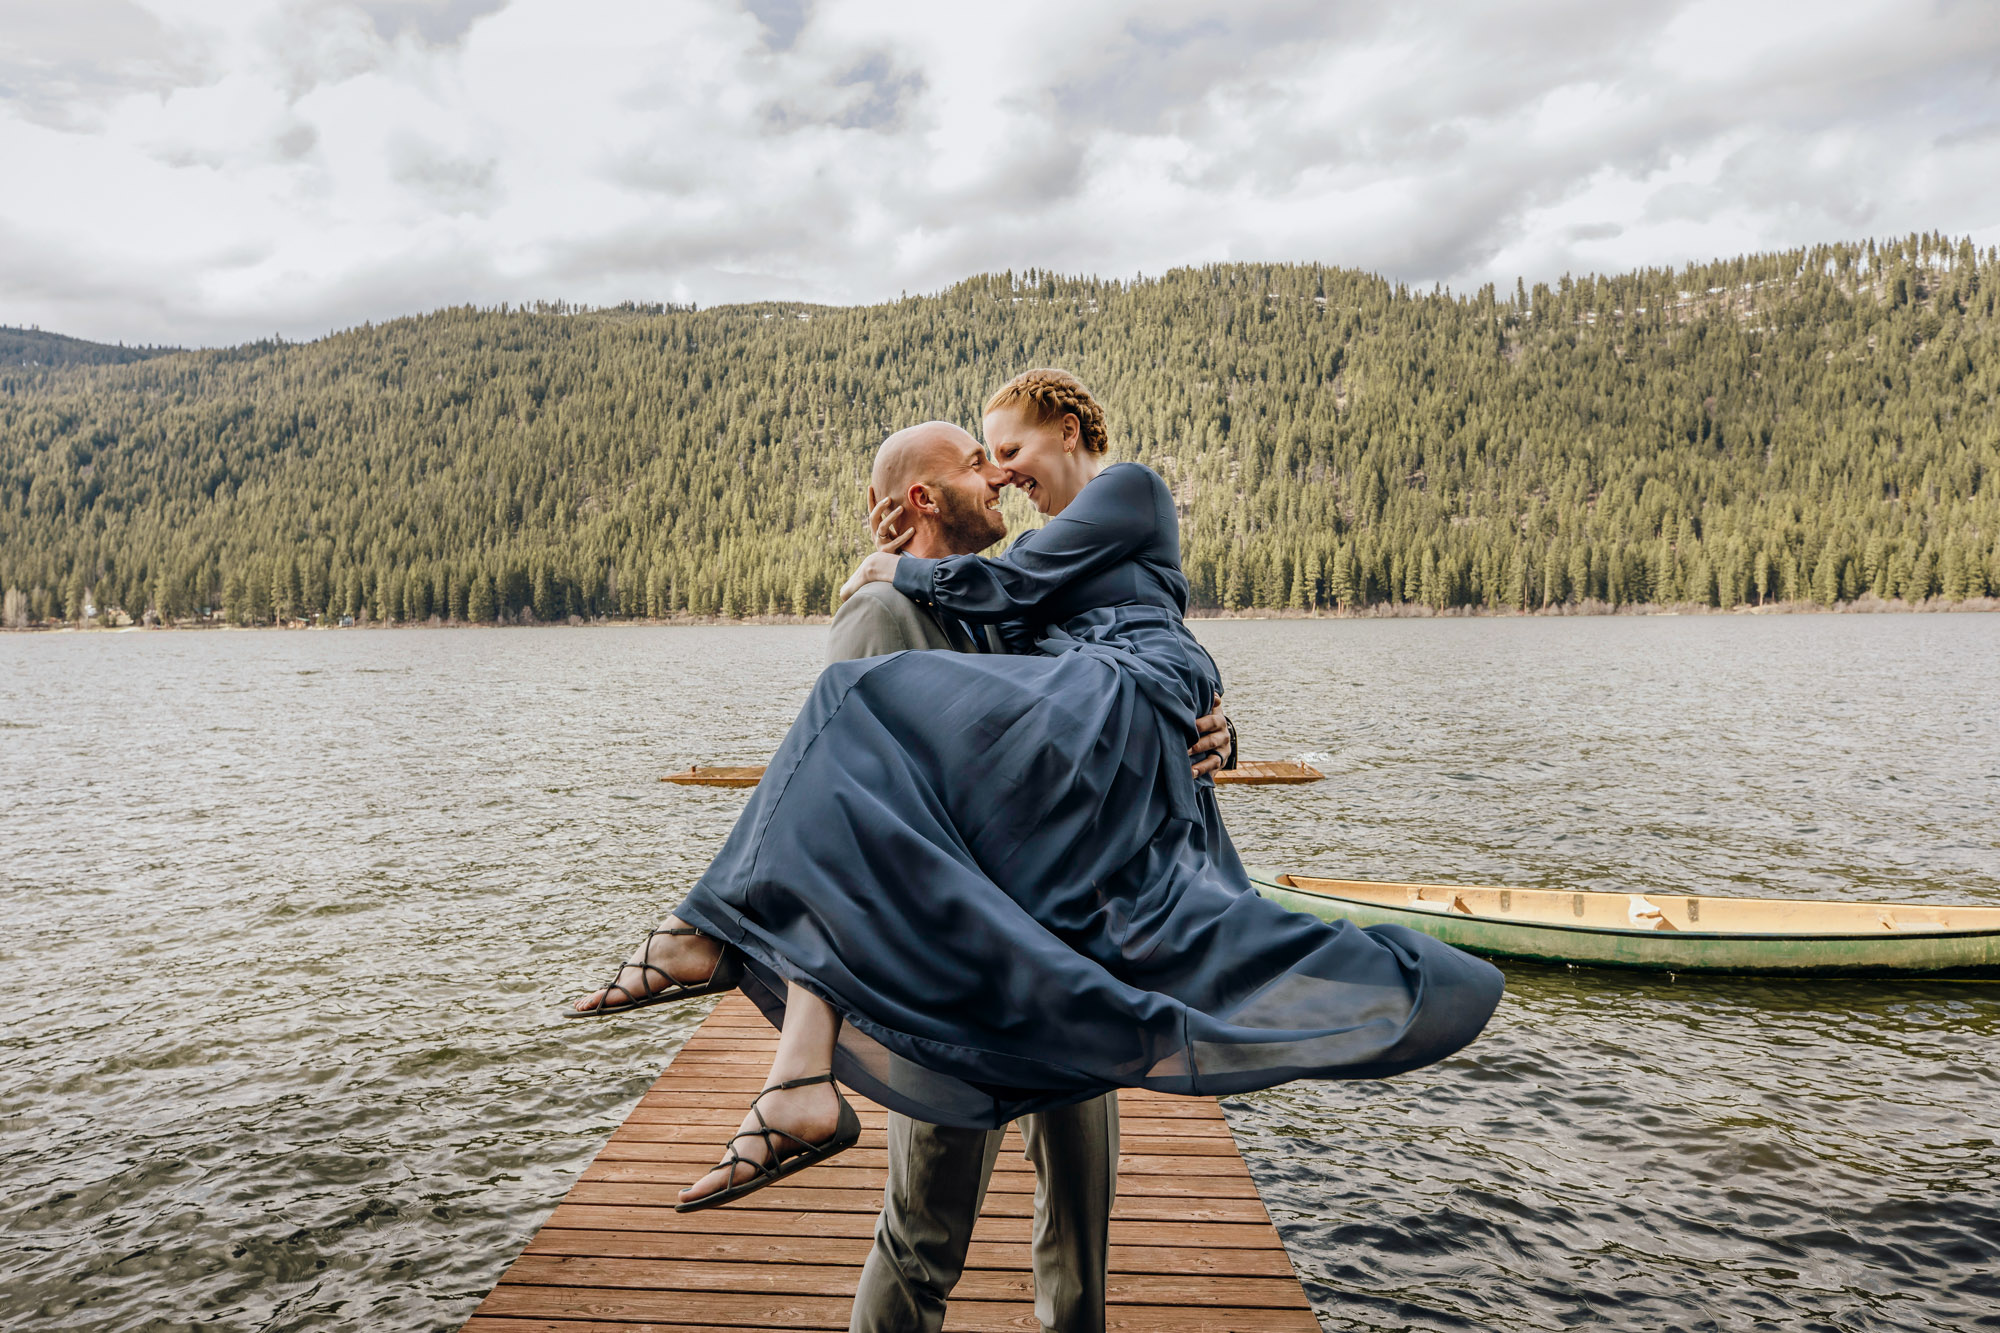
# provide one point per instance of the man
(948, 492)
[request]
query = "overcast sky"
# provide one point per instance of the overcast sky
(207, 171)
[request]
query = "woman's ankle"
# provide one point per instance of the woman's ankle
(791, 1074)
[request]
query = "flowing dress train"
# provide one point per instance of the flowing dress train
(1001, 873)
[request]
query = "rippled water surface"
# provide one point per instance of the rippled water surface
(287, 915)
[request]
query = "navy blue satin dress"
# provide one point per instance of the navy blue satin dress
(1001, 873)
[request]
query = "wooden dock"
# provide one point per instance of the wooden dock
(1191, 1244)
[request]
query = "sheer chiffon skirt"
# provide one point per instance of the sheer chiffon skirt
(999, 871)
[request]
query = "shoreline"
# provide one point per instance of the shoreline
(1380, 611)
(1860, 606)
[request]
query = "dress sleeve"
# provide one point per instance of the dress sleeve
(1111, 519)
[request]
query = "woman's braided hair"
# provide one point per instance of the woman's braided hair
(1047, 395)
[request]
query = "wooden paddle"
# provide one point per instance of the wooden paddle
(1249, 773)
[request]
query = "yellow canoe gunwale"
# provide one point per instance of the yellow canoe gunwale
(1960, 942)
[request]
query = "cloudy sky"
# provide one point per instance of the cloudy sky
(206, 171)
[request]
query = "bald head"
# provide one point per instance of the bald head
(918, 454)
(946, 487)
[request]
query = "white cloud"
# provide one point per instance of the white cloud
(183, 170)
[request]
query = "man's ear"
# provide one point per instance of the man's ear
(921, 500)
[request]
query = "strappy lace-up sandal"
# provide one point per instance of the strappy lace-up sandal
(728, 971)
(780, 1160)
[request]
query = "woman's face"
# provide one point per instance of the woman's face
(1046, 461)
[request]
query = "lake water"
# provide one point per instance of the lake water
(287, 915)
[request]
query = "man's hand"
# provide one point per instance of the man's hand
(879, 567)
(883, 516)
(1211, 749)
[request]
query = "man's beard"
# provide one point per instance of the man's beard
(965, 525)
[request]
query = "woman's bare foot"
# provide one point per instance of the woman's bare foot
(687, 959)
(811, 1114)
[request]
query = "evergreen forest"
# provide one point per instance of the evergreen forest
(33, 347)
(1820, 425)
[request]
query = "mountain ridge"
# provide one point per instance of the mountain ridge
(30, 347)
(1811, 425)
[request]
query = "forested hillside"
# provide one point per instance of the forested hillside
(1819, 424)
(33, 347)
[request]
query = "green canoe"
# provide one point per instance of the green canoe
(1668, 933)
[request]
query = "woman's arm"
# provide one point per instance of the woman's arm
(875, 567)
(1110, 519)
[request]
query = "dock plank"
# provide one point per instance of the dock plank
(1191, 1242)
(803, 1279)
(853, 1250)
(857, 1176)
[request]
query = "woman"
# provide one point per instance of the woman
(977, 886)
